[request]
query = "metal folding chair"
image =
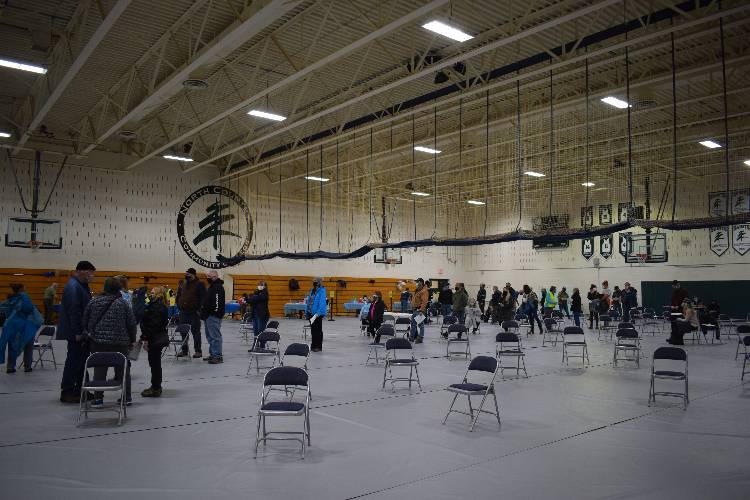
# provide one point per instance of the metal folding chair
(511, 326)
(392, 359)
(113, 360)
(271, 341)
(43, 344)
(447, 322)
(461, 339)
(508, 345)
(389, 319)
(573, 337)
(480, 364)
(551, 332)
(742, 331)
(745, 344)
(402, 326)
(650, 323)
(606, 326)
(272, 326)
(246, 328)
(726, 326)
(627, 341)
(298, 352)
(669, 354)
(286, 376)
(558, 316)
(373, 349)
(179, 339)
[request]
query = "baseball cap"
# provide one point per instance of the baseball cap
(191, 270)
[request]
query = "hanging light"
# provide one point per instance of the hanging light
(420, 193)
(534, 174)
(266, 115)
(447, 31)
(177, 158)
(614, 101)
(314, 178)
(710, 144)
(747, 162)
(424, 149)
(5, 134)
(22, 66)
(588, 184)
(475, 202)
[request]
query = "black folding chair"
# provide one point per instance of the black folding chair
(114, 360)
(669, 354)
(393, 359)
(43, 344)
(481, 364)
(458, 335)
(271, 341)
(573, 337)
(627, 341)
(508, 345)
(374, 349)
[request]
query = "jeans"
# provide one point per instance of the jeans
(259, 326)
(28, 356)
(577, 318)
(72, 378)
(154, 361)
(460, 317)
(213, 336)
(316, 332)
(481, 306)
(191, 318)
(404, 306)
(533, 315)
(564, 309)
(415, 327)
(679, 329)
(593, 316)
(49, 308)
(626, 312)
(446, 309)
(100, 372)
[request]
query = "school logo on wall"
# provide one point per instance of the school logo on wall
(605, 246)
(212, 221)
(605, 214)
(741, 238)
(717, 203)
(719, 239)
(740, 202)
(623, 244)
(587, 216)
(587, 248)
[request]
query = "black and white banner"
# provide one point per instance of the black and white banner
(587, 216)
(605, 246)
(587, 248)
(717, 204)
(741, 238)
(622, 211)
(624, 237)
(719, 239)
(605, 214)
(740, 201)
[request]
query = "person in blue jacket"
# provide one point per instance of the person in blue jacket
(19, 329)
(316, 308)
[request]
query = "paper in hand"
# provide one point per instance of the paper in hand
(312, 320)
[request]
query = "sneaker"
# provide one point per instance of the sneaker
(198, 355)
(151, 393)
(419, 340)
(182, 354)
(97, 403)
(208, 358)
(10, 370)
(216, 360)
(27, 370)
(128, 402)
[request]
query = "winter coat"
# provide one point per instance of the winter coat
(576, 305)
(460, 300)
(139, 303)
(154, 325)
(21, 326)
(630, 298)
(550, 300)
(75, 298)
(109, 320)
(473, 317)
(190, 295)
(482, 295)
(364, 311)
(497, 297)
(375, 314)
(419, 299)
(316, 303)
(259, 300)
(445, 297)
(213, 301)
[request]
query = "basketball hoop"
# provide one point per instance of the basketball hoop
(34, 244)
(642, 257)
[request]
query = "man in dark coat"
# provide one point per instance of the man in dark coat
(190, 294)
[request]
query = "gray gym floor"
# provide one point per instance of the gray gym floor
(566, 432)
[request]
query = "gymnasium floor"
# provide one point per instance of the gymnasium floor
(566, 432)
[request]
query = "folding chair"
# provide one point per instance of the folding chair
(286, 376)
(43, 344)
(269, 351)
(484, 364)
(726, 326)
(299, 351)
(573, 336)
(447, 322)
(179, 340)
(510, 326)
(272, 326)
(402, 326)
(389, 319)
(742, 331)
(745, 344)
(461, 339)
(508, 345)
(373, 349)
(626, 325)
(523, 322)
(627, 341)
(550, 328)
(558, 316)
(113, 360)
(246, 328)
(392, 346)
(650, 323)
(670, 354)
(606, 325)
(709, 329)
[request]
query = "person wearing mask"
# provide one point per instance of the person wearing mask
(679, 295)
(594, 299)
(629, 300)
(550, 301)
(363, 314)
(110, 325)
(681, 326)
(405, 298)
(530, 303)
(211, 312)
(576, 306)
(140, 298)
(50, 295)
(315, 312)
(375, 316)
(19, 329)
(75, 297)
(445, 299)
(481, 297)
(154, 336)
(493, 312)
(562, 300)
(419, 307)
(460, 301)
(259, 302)
(617, 302)
(473, 316)
(190, 295)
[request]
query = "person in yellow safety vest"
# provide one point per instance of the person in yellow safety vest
(550, 301)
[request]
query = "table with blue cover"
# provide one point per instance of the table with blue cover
(294, 307)
(354, 307)
(231, 308)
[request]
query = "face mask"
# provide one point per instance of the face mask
(260, 287)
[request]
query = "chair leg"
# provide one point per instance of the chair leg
(54, 361)
(385, 370)
(471, 410)
(450, 408)
(479, 412)
(257, 436)
(416, 371)
(497, 408)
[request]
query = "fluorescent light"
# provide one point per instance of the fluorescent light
(17, 274)
(269, 116)
(614, 101)
(534, 174)
(588, 184)
(474, 202)
(447, 31)
(747, 162)
(420, 193)
(4, 134)
(426, 150)
(710, 144)
(177, 158)
(23, 67)
(319, 179)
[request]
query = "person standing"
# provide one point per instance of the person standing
(493, 312)
(629, 300)
(562, 300)
(75, 297)
(605, 298)
(315, 312)
(124, 291)
(445, 299)
(405, 298)
(576, 306)
(212, 311)
(375, 316)
(460, 301)
(50, 295)
(481, 297)
(110, 324)
(154, 336)
(531, 305)
(473, 316)
(617, 302)
(139, 301)
(259, 302)
(594, 299)
(550, 301)
(19, 329)
(679, 295)
(190, 295)
(419, 303)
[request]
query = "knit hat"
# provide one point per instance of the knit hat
(85, 265)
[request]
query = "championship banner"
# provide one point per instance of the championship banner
(741, 238)
(622, 211)
(740, 202)
(587, 216)
(624, 243)
(587, 248)
(717, 204)
(719, 239)
(605, 246)
(605, 214)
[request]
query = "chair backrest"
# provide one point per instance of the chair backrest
(557, 314)
(673, 353)
(550, 323)
(272, 325)
(286, 375)
(397, 343)
(743, 328)
(109, 359)
(450, 320)
(483, 364)
(626, 333)
(386, 330)
(247, 318)
(626, 324)
(508, 324)
(521, 317)
(506, 337)
(457, 328)
(268, 336)
(297, 349)
(724, 317)
(605, 318)
(573, 330)
(183, 328)
(403, 321)
(746, 340)
(46, 331)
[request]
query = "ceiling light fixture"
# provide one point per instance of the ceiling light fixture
(614, 101)
(23, 67)
(534, 174)
(319, 179)
(427, 150)
(420, 193)
(447, 31)
(266, 115)
(4, 134)
(588, 184)
(177, 158)
(475, 202)
(747, 162)
(710, 144)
